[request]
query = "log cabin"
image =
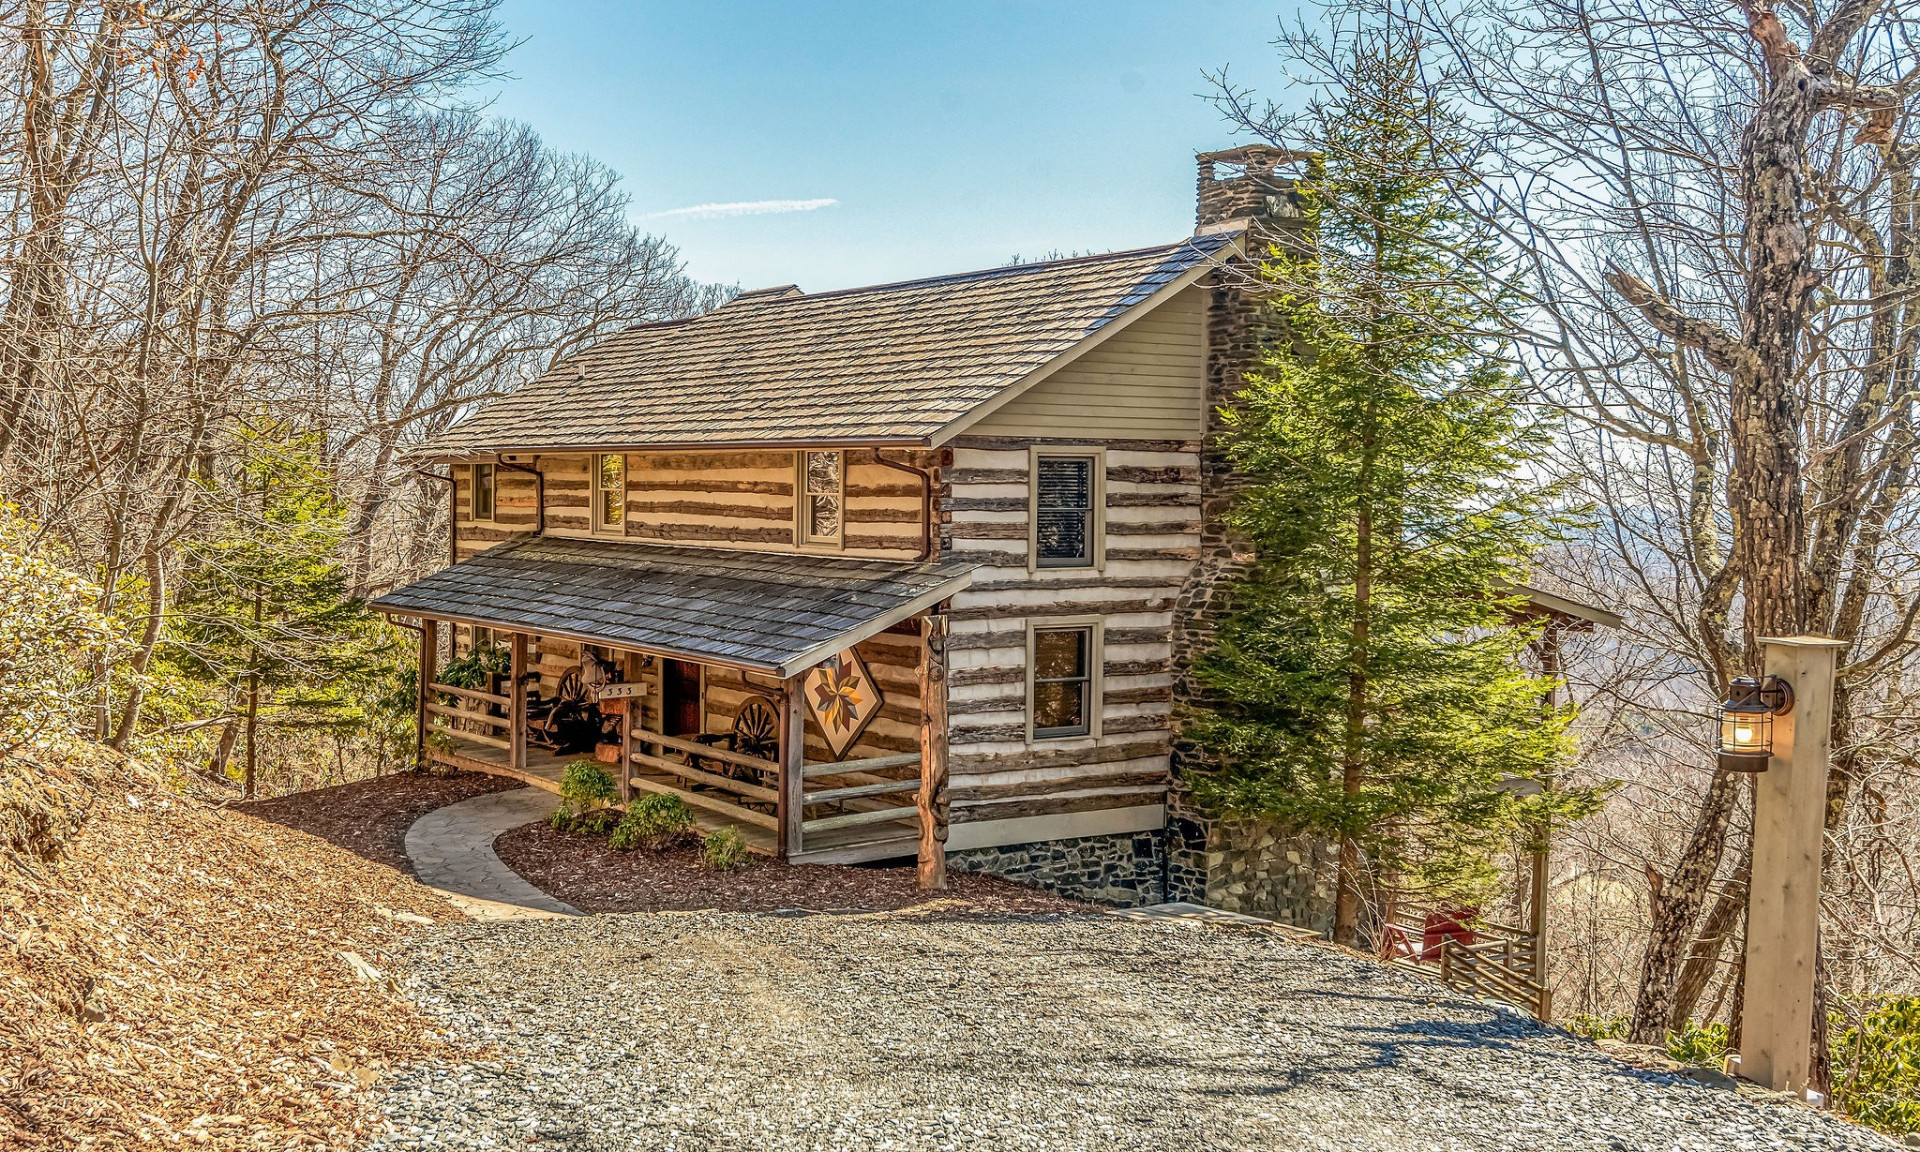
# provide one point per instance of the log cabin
(911, 570)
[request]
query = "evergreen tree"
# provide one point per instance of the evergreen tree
(1368, 682)
(263, 616)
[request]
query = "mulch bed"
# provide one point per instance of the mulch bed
(580, 869)
(369, 818)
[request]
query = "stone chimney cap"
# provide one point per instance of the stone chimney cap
(1255, 154)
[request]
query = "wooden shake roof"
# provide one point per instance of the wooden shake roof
(762, 611)
(891, 364)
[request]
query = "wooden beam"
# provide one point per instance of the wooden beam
(908, 813)
(696, 776)
(710, 803)
(933, 751)
(695, 748)
(429, 671)
(517, 704)
(793, 755)
(882, 788)
(870, 764)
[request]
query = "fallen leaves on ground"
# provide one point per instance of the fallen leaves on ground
(192, 977)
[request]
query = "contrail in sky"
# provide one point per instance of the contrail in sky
(744, 208)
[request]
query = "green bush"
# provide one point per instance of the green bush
(1596, 1027)
(1696, 1045)
(652, 822)
(476, 669)
(1876, 1065)
(724, 850)
(585, 792)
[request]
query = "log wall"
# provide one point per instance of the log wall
(1152, 495)
(890, 658)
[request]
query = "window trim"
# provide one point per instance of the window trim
(801, 537)
(1094, 626)
(1097, 511)
(599, 526)
(473, 492)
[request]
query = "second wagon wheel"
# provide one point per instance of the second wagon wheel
(756, 730)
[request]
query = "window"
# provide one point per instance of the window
(1062, 663)
(822, 495)
(483, 492)
(1066, 495)
(609, 493)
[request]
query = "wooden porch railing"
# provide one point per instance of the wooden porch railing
(468, 721)
(1501, 968)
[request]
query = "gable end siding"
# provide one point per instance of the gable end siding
(1147, 382)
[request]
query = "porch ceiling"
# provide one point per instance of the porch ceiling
(765, 612)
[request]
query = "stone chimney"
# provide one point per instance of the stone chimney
(1248, 189)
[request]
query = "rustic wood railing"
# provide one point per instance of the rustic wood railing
(1503, 963)
(686, 772)
(1501, 968)
(861, 792)
(469, 716)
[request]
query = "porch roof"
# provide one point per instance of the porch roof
(764, 612)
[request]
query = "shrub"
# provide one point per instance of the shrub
(1876, 1065)
(1696, 1045)
(1596, 1027)
(585, 791)
(652, 822)
(476, 669)
(724, 850)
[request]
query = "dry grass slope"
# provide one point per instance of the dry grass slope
(176, 979)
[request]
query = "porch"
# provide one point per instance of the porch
(767, 726)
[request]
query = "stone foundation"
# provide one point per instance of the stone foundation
(1250, 866)
(1122, 871)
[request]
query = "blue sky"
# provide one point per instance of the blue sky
(947, 136)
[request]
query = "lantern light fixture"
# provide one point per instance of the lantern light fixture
(1746, 722)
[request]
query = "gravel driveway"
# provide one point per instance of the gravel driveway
(916, 1031)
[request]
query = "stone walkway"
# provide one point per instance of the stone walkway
(452, 850)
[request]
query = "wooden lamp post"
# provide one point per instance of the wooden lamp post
(1783, 896)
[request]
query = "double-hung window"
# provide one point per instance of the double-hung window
(1066, 510)
(1063, 669)
(483, 477)
(822, 503)
(609, 493)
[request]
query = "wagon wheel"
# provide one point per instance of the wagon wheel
(756, 730)
(572, 688)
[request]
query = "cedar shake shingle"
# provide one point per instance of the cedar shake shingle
(763, 611)
(894, 363)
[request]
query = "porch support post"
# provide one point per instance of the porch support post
(517, 706)
(933, 751)
(429, 672)
(793, 748)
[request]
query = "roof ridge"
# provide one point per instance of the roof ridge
(1196, 242)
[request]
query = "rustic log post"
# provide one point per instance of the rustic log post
(933, 751)
(517, 705)
(630, 723)
(1783, 895)
(793, 759)
(429, 672)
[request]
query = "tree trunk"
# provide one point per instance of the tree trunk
(1676, 911)
(253, 706)
(1353, 770)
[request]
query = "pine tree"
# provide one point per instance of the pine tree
(1368, 680)
(263, 616)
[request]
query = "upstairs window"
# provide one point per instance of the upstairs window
(1062, 686)
(822, 497)
(483, 476)
(1065, 498)
(609, 493)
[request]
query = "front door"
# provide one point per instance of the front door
(680, 698)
